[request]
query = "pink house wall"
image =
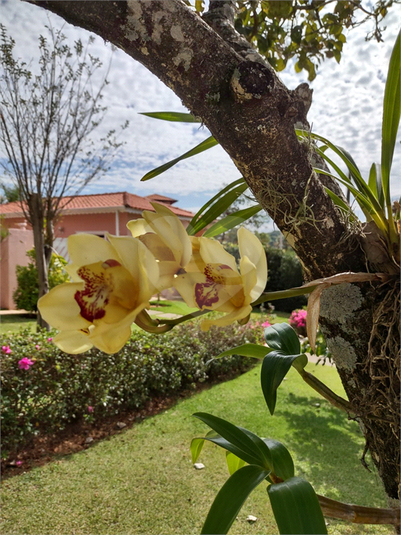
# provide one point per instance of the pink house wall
(13, 253)
(94, 222)
(15, 246)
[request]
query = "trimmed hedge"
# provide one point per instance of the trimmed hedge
(60, 388)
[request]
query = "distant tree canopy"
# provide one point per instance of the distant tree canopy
(308, 30)
(46, 122)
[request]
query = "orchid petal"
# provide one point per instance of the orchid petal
(249, 278)
(59, 308)
(158, 248)
(138, 227)
(250, 246)
(73, 342)
(86, 249)
(172, 232)
(212, 252)
(199, 292)
(111, 342)
(146, 271)
(236, 315)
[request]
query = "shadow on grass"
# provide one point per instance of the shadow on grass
(328, 447)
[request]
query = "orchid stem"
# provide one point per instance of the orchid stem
(325, 391)
(181, 319)
(283, 294)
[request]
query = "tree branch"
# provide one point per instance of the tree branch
(244, 105)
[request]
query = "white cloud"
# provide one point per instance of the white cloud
(347, 108)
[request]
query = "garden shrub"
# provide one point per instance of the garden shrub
(43, 388)
(284, 272)
(27, 293)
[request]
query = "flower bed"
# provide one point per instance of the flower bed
(43, 388)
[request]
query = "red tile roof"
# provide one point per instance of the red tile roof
(161, 198)
(107, 201)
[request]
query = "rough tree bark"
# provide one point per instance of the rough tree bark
(252, 115)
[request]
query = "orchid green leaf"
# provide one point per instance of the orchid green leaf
(283, 465)
(208, 143)
(375, 183)
(341, 204)
(231, 497)
(232, 220)
(234, 463)
(216, 206)
(245, 441)
(274, 368)
(172, 116)
(247, 350)
(282, 336)
(391, 117)
(296, 507)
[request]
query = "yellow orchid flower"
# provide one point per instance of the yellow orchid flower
(113, 281)
(165, 236)
(213, 282)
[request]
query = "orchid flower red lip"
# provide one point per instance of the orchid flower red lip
(113, 282)
(213, 282)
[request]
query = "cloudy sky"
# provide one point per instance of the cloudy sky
(346, 108)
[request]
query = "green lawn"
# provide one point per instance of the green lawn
(142, 480)
(15, 322)
(172, 307)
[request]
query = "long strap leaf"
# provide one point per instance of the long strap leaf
(231, 497)
(296, 507)
(391, 116)
(244, 440)
(173, 116)
(216, 206)
(208, 143)
(233, 220)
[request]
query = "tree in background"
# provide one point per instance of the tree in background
(308, 30)
(223, 81)
(10, 193)
(46, 122)
(26, 294)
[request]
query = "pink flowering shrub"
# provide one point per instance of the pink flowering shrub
(61, 388)
(298, 321)
(25, 363)
(6, 350)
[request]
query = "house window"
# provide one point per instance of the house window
(101, 234)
